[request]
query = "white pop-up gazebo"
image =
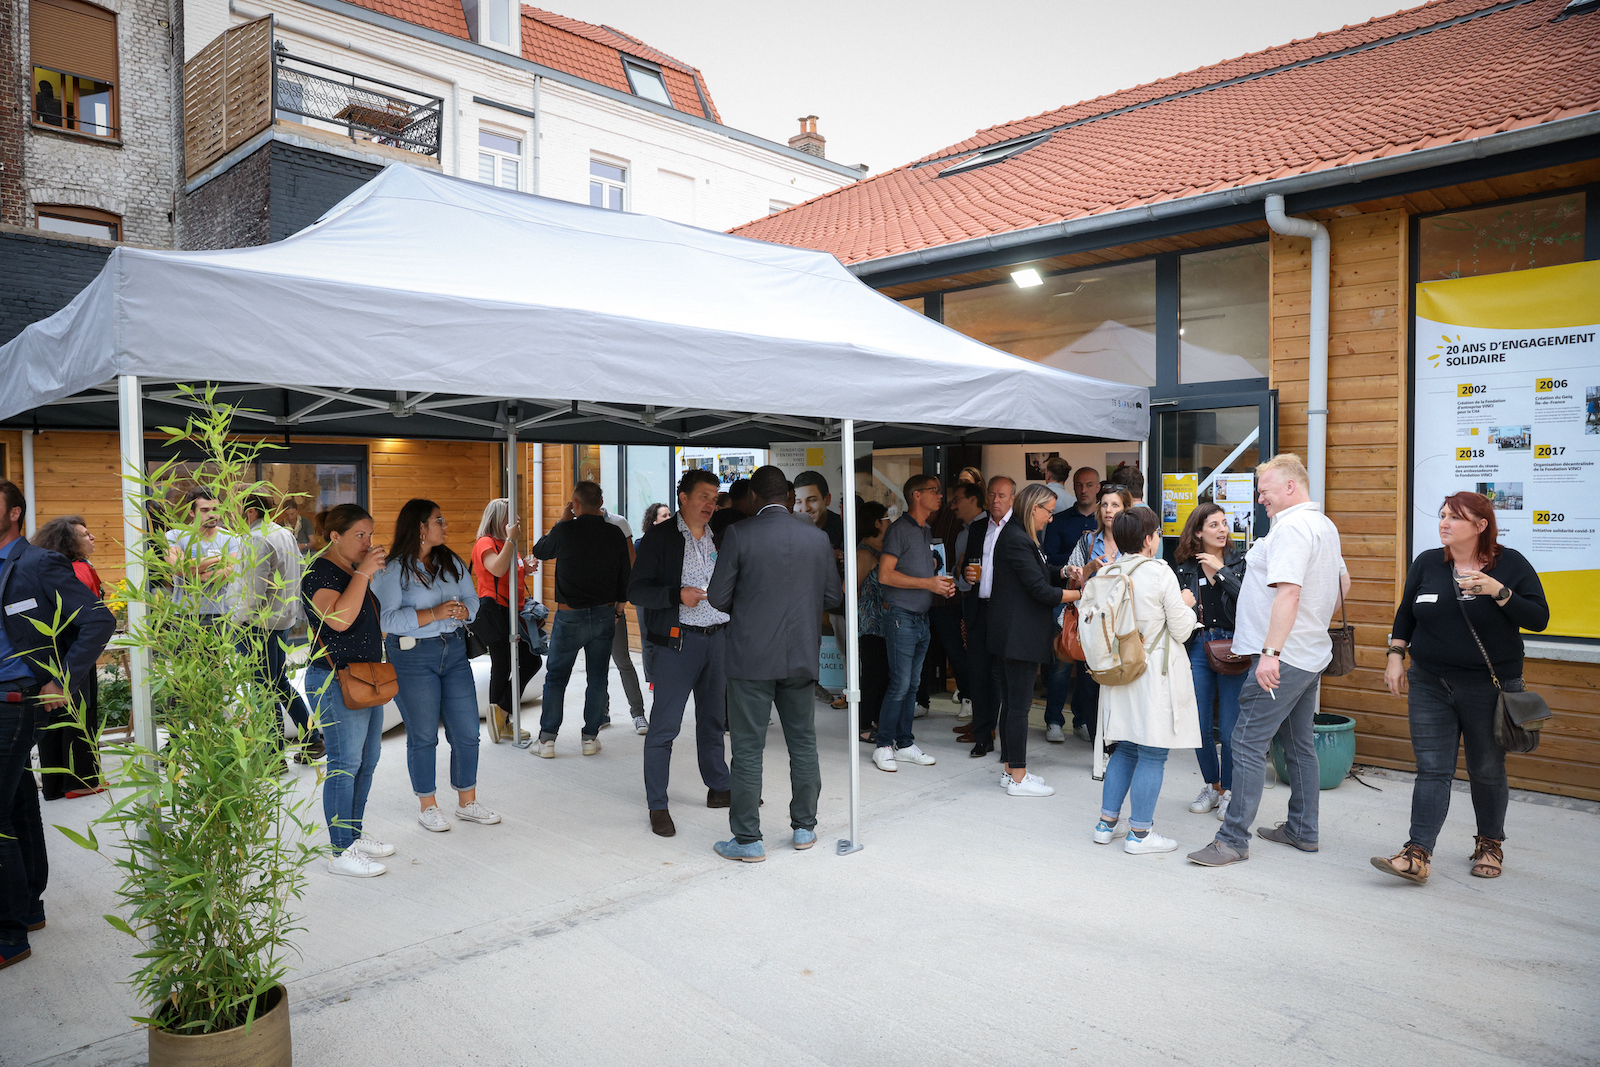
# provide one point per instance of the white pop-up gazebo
(430, 306)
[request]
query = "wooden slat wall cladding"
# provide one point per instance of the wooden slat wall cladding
(227, 94)
(460, 476)
(78, 474)
(1366, 492)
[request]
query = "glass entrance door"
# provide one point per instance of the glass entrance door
(1205, 450)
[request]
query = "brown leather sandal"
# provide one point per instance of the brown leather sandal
(1410, 863)
(1487, 857)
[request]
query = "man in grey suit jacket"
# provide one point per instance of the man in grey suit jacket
(775, 577)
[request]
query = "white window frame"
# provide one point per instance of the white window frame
(610, 183)
(499, 154)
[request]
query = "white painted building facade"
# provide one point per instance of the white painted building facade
(543, 130)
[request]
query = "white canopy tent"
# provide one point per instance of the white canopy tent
(429, 306)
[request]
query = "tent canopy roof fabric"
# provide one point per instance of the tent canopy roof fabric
(463, 309)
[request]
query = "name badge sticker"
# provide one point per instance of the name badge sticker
(1427, 598)
(21, 605)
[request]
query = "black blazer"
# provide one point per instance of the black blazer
(656, 584)
(1023, 598)
(32, 583)
(1230, 579)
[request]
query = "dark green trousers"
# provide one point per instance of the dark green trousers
(750, 702)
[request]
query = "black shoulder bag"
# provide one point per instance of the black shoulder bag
(1518, 717)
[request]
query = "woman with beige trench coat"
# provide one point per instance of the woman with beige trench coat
(1156, 711)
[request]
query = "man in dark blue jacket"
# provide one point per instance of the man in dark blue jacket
(671, 574)
(35, 586)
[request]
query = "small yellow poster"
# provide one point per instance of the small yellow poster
(1179, 494)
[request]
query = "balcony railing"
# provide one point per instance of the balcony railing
(238, 84)
(366, 107)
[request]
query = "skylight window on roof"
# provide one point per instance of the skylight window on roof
(994, 154)
(646, 82)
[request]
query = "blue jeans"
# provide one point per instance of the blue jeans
(907, 638)
(24, 864)
(1224, 689)
(354, 737)
(1287, 714)
(1057, 687)
(590, 631)
(436, 683)
(1136, 769)
(1445, 714)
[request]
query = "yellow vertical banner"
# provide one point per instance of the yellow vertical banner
(1179, 494)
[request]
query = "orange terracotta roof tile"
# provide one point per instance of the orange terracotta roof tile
(1447, 71)
(587, 51)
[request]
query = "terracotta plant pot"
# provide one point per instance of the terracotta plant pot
(266, 1044)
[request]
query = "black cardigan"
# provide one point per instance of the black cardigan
(1022, 598)
(1230, 579)
(1430, 618)
(656, 584)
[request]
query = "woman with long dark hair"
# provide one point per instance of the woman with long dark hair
(69, 747)
(428, 599)
(1460, 618)
(1211, 567)
(343, 616)
(493, 558)
(1095, 549)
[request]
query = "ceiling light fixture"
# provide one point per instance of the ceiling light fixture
(1026, 278)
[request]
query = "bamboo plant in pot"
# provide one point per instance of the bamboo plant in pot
(215, 836)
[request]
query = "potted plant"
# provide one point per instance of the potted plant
(215, 836)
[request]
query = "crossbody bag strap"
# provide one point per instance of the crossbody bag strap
(1478, 640)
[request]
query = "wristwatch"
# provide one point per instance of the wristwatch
(1273, 652)
(1503, 595)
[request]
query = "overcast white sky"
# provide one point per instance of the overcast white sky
(892, 81)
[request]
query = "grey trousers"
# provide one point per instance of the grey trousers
(749, 702)
(624, 663)
(696, 668)
(1289, 718)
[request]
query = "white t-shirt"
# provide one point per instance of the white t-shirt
(990, 536)
(1302, 548)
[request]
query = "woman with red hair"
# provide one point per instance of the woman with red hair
(1463, 609)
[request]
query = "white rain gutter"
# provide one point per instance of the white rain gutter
(538, 111)
(1317, 394)
(302, 29)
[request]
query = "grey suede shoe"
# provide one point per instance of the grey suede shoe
(1280, 833)
(1217, 854)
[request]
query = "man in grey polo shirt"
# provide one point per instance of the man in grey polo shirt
(909, 574)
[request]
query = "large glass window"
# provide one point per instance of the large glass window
(1099, 322)
(74, 52)
(1222, 325)
(1492, 240)
(499, 159)
(608, 185)
(646, 82)
(649, 475)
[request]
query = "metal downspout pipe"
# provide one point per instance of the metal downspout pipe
(1317, 393)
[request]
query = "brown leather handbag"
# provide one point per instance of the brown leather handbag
(1220, 657)
(1068, 646)
(1343, 637)
(364, 685)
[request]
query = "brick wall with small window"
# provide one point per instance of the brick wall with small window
(97, 115)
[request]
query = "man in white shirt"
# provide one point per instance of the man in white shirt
(1294, 579)
(984, 669)
(269, 597)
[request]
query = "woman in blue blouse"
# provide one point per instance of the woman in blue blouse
(428, 597)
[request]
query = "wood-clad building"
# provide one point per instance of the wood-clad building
(1159, 238)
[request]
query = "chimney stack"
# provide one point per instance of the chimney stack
(808, 140)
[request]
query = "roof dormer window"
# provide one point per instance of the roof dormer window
(492, 23)
(645, 81)
(994, 154)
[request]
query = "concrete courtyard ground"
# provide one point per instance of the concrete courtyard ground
(973, 928)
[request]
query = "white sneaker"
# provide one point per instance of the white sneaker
(1150, 842)
(371, 847)
(433, 819)
(883, 759)
(1005, 777)
(1030, 786)
(1054, 734)
(965, 714)
(545, 749)
(1104, 831)
(913, 754)
(476, 812)
(640, 725)
(1222, 805)
(591, 746)
(353, 864)
(921, 712)
(1205, 801)
(1081, 732)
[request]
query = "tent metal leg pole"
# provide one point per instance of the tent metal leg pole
(130, 414)
(515, 608)
(852, 658)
